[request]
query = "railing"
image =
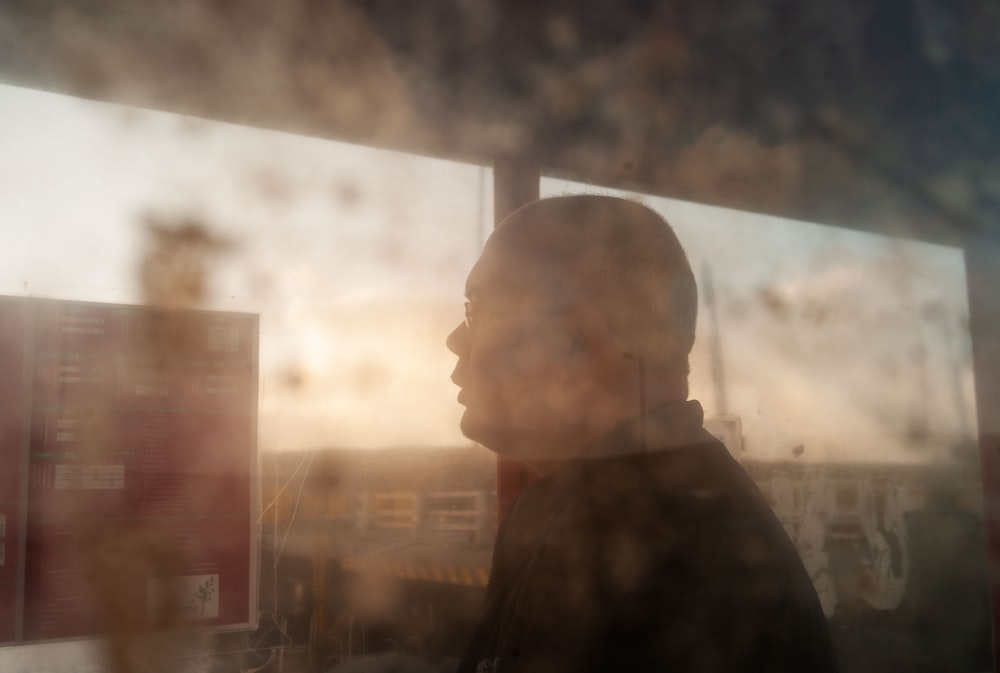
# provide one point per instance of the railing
(470, 512)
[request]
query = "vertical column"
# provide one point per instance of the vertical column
(419, 515)
(515, 183)
(15, 356)
(482, 525)
(317, 626)
(363, 513)
(982, 264)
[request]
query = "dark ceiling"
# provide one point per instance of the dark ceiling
(875, 115)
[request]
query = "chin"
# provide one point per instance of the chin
(500, 439)
(475, 429)
(490, 434)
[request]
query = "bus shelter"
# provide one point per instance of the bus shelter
(878, 120)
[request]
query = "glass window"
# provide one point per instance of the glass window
(836, 366)
(374, 515)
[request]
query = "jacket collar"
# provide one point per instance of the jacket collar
(669, 426)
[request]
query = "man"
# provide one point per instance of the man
(643, 546)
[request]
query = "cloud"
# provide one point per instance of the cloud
(374, 373)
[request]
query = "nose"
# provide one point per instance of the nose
(458, 341)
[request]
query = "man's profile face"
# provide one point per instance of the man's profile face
(515, 355)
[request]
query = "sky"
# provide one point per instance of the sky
(844, 343)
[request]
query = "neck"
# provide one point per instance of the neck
(545, 467)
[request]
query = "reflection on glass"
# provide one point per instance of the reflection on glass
(836, 366)
(833, 345)
(353, 259)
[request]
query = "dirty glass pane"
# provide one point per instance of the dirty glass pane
(374, 516)
(249, 326)
(836, 367)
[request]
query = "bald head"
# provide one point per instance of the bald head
(617, 255)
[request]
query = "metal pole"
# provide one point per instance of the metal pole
(718, 372)
(982, 268)
(317, 649)
(515, 182)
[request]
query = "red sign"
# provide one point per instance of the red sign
(128, 439)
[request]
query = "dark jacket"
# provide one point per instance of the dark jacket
(664, 558)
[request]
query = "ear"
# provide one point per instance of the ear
(592, 335)
(596, 356)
